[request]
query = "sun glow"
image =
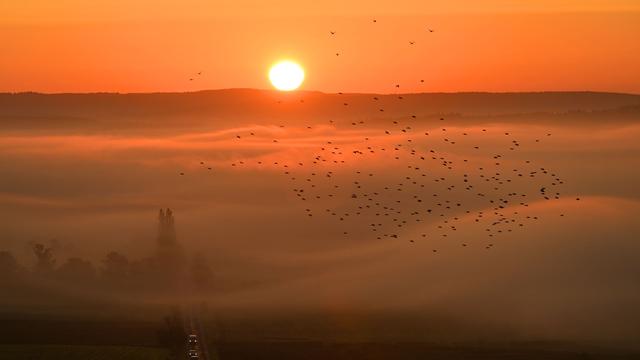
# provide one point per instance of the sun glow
(286, 75)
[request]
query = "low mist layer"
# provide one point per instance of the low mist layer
(511, 213)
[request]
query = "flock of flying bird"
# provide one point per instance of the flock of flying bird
(440, 190)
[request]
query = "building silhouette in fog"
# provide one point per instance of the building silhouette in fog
(166, 231)
(169, 255)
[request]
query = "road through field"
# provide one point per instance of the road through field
(195, 327)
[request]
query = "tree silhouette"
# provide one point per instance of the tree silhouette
(45, 262)
(9, 267)
(77, 270)
(167, 271)
(115, 267)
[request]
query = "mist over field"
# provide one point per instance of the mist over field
(86, 175)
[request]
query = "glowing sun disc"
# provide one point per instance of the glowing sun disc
(286, 75)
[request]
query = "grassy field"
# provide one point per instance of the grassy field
(73, 352)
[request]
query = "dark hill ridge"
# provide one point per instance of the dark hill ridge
(31, 110)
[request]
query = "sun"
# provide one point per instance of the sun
(286, 75)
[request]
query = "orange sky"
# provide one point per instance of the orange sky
(494, 45)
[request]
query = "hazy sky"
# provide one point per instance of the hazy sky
(496, 45)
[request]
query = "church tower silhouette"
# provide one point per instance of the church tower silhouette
(166, 230)
(170, 254)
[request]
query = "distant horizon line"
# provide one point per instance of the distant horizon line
(318, 92)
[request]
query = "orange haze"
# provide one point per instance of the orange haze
(494, 45)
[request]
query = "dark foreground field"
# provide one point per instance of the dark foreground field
(51, 338)
(401, 351)
(46, 338)
(80, 352)
(312, 350)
